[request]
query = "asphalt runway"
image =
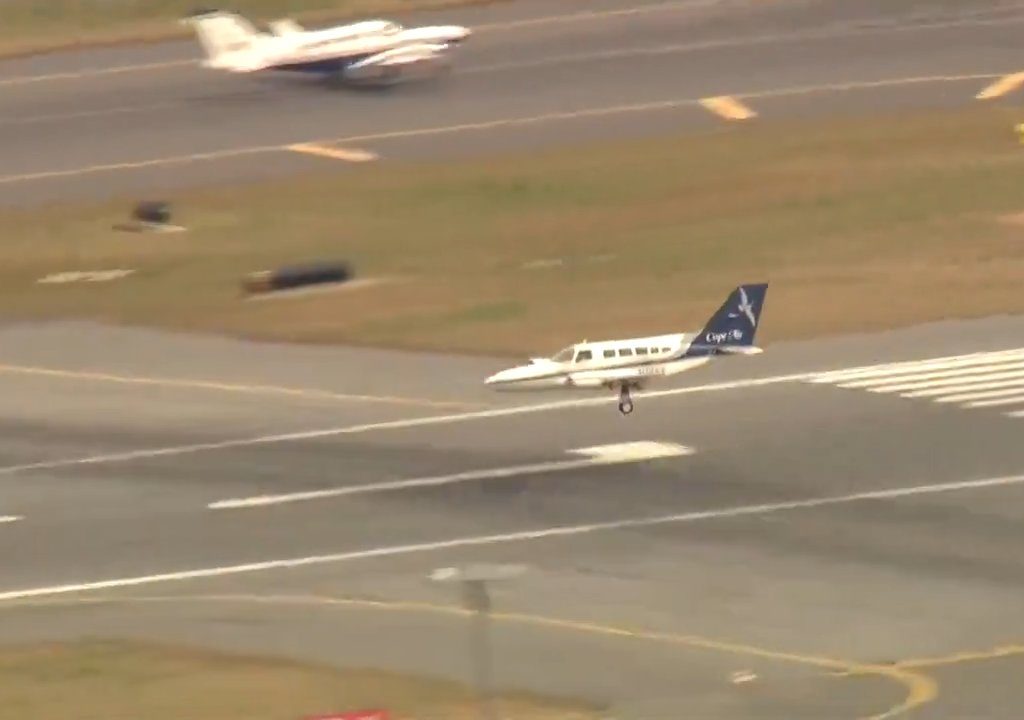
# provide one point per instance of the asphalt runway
(831, 529)
(810, 528)
(108, 123)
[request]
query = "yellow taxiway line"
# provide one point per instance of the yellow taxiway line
(920, 689)
(346, 154)
(728, 107)
(1002, 86)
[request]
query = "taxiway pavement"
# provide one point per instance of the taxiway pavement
(809, 527)
(111, 122)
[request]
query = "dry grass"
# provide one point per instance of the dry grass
(859, 225)
(122, 680)
(28, 26)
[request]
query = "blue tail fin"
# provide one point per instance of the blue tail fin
(734, 325)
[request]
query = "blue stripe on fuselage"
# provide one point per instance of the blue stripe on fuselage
(323, 66)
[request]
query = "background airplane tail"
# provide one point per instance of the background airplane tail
(229, 41)
(734, 325)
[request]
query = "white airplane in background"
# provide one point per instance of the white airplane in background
(368, 52)
(630, 364)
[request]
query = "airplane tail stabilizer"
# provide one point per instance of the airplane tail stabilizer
(229, 41)
(734, 325)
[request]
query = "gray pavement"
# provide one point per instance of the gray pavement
(73, 130)
(714, 550)
(813, 526)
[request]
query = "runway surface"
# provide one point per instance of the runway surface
(107, 123)
(828, 530)
(808, 515)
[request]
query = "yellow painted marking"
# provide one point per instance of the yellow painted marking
(228, 387)
(728, 107)
(1002, 86)
(963, 657)
(921, 689)
(334, 153)
(485, 125)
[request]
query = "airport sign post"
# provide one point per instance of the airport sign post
(477, 600)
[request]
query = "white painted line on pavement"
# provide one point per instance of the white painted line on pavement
(385, 425)
(912, 366)
(520, 536)
(597, 456)
(10, 518)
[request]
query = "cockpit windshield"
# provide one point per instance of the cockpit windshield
(563, 355)
(391, 28)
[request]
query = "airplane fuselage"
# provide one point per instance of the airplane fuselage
(587, 364)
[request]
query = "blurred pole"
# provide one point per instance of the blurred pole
(478, 601)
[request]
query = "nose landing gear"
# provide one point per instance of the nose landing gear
(625, 401)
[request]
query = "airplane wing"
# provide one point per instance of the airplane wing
(398, 61)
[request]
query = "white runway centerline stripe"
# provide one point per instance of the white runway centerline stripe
(10, 518)
(520, 536)
(597, 456)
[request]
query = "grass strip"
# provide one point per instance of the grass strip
(859, 225)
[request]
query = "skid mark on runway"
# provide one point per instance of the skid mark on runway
(993, 380)
(601, 456)
(920, 689)
(402, 424)
(267, 390)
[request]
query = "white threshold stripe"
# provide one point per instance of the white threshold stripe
(939, 374)
(10, 518)
(977, 378)
(1007, 388)
(1014, 400)
(908, 366)
(599, 457)
(962, 387)
(520, 536)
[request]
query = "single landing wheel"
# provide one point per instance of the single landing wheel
(625, 401)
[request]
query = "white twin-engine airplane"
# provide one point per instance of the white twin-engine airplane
(629, 364)
(368, 52)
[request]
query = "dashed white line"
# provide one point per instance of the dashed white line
(596, 456)
(521, 536)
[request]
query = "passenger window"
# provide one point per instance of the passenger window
(609, 353)
(623, 352)
(641, 351)
(583, 355)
